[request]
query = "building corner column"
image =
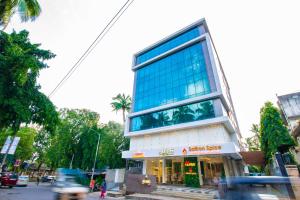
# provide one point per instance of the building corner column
(144, 167)
(226, 169)
(163, 171)
(199, 172)
(235, 170)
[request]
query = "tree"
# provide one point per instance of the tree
(121, 102)
(253, 143)
(273, 132)
(21, 102)
(80, 142)
(27, 9)
(72, 132)
(84, 157)
(112, 144)
(41, 146)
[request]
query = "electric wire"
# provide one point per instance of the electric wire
(100, 36)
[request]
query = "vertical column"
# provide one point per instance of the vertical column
(230, 166)
(235, 171)
(226, 169)
(199, 172)
(164, 171)
(145, 167)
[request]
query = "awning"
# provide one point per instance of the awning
(253, 157)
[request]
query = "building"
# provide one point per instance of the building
(183, 125)
(289, 105)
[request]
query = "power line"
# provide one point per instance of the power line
(104, 31)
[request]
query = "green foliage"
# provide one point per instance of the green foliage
(112, 144)
(27, 10)
(253, 143)
(25, 148)
(254, 169)
(77, 136)
(273, 132)
(20, 98)
(41, 146)
(191, 180)
(121, 102)
(65, 143)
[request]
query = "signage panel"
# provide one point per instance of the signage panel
(13, 147)
(209, 149)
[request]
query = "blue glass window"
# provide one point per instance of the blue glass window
(170, 44)
(182, 114)
(176, 77)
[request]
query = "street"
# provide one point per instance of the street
(34, 192)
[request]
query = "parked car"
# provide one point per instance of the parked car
(48, 178)
(8, 179)
(23, 181)
(256, 174)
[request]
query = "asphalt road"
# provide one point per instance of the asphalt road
(34, 192)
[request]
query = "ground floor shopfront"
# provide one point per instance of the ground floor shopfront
(189, 165)
(191, 171)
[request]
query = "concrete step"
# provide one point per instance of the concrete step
(185, 195)
(114, 194)
(150, 197)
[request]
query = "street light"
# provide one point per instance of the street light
(92, 177)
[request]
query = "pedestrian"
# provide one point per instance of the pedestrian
(37, 180)
(103, 189)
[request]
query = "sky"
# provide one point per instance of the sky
(258, 43)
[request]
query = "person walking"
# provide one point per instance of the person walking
(37, 180)
(103, 189)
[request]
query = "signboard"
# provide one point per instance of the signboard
(138, 155)
(205, 149)
(146, 181)
(208, 149)
(6, 145)
(13, 146)
(167, 152)
(191, 176)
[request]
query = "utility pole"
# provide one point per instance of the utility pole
(71, 163)
(93, 171)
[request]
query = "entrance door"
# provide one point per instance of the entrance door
(154, 167)
(212, 169)
(177, 174)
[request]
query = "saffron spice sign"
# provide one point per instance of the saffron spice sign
(204, 149)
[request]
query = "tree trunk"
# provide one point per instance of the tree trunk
(123, 115)
(39, 167)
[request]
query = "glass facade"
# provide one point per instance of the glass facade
(182, 114)
(170, 44)
(176, 77)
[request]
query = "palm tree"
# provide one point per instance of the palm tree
(121, 102)
(27, 10)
